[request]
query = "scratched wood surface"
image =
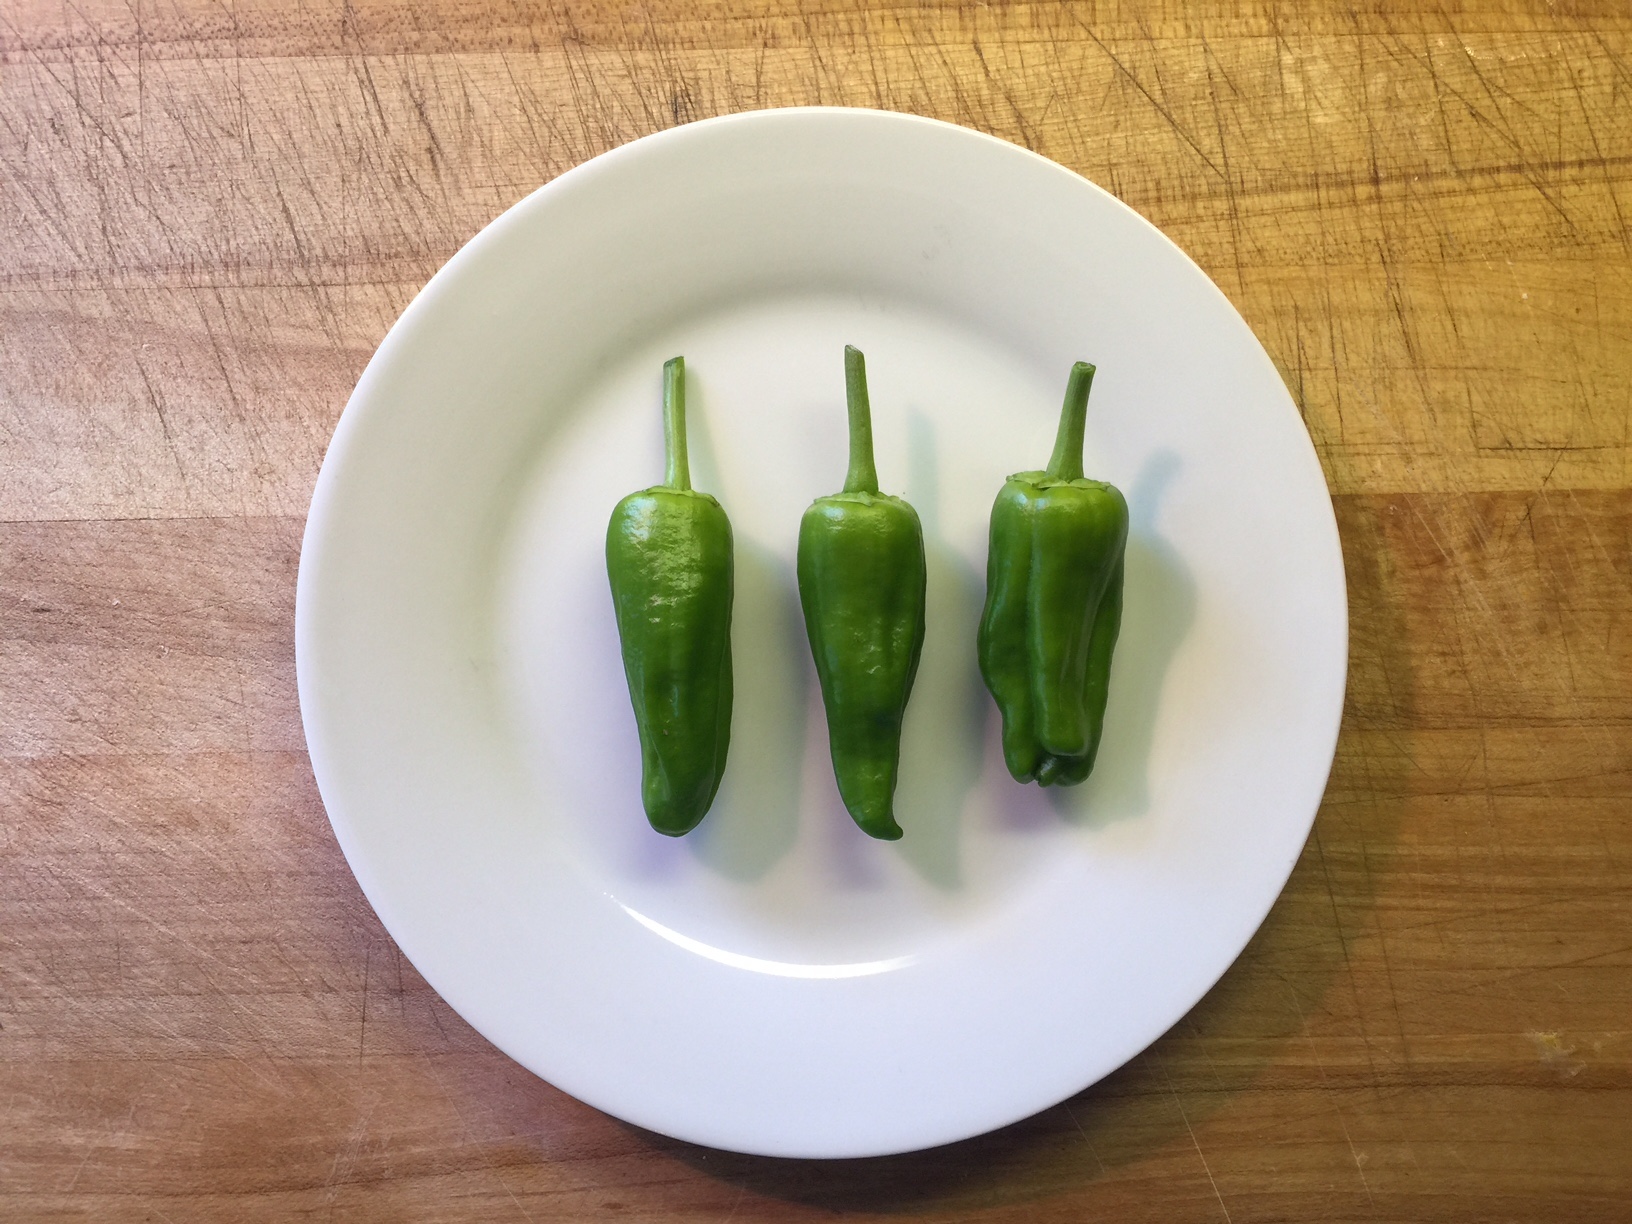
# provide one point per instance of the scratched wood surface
(211, 211)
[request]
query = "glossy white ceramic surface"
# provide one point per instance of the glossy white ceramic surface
(777, 982)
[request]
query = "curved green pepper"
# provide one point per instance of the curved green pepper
(861, 584)
(1054, 605)
(668, 557)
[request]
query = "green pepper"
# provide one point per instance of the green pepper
(668, 556)
(1054, 605)
(861, 584)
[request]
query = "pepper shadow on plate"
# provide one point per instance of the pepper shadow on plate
(1159, 608)
(755, 818)
(941, 757)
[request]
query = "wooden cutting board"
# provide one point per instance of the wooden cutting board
(211, 211)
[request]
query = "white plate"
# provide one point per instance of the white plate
(777, 982)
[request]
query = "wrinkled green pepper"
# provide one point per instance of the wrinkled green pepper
(669, 560)
(861, 584)
(1054, 605)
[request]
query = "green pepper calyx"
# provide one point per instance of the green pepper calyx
(1042, 480)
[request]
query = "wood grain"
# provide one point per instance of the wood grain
(211, 212)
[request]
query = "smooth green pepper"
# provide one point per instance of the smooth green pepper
(1054, 605)
(668, 556)
(861, 583)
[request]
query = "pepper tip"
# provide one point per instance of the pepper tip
(883, 829)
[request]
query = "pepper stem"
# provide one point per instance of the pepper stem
(862, 476)
(677, 471)
(1066, 463)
